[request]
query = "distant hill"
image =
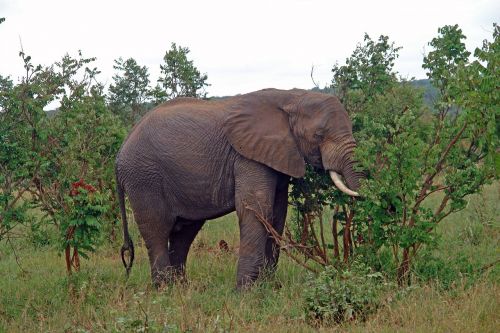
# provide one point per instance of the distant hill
(430, 93)
(52, 113)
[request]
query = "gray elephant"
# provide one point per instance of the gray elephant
(189, 160)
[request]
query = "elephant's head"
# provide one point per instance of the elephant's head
(283, 129)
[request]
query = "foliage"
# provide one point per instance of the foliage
(130, 91)
(449, 53)
(179, 77)
(81, 226)
(445, 273)
(82, 140)
(130, 95)
(409, 160)
(346, 294)
(41, 155)
(11, 174)
(369, 69)
(410, 155)
(22, 128)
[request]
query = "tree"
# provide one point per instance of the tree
(420, 165)
(14, 162)
(368, 70)
(23, 131)
(50, 157)
(130, 91)
(410, 160)
(179, 77)
(84, 138)
(448, 54)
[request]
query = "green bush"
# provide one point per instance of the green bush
(338, 295)
(446, 273)
(41, 234)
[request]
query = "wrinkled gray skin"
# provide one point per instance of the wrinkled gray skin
(189, 161)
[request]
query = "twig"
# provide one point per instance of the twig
(428, 181)
(323, 243)
(318, 251)
(15, 256)
(335, 235)
(312, 77)
(485, 267)
(286, 245)
(146, 322)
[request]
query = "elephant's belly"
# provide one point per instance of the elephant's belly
(204, 199)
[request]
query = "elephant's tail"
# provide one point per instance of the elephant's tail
(128, 245)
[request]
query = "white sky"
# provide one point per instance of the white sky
(242, 45)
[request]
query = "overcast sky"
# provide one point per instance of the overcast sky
(242, 45)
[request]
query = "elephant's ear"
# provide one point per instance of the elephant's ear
(262, 133)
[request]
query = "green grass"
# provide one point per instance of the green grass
(40, 296)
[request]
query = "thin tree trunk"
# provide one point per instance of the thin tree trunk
(404, 268)
(335, 234)
(322, 235)
(68, 259)
(346, 236)
(76, 260)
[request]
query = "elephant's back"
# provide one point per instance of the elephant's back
(178, 144)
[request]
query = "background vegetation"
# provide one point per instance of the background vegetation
(419, 252)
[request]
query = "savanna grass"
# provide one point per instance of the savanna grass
(40, 297)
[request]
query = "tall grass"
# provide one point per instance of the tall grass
(41, 297)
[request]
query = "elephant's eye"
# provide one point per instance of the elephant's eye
(318, 135)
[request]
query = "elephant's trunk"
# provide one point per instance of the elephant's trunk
(337, 159)
(351, 176)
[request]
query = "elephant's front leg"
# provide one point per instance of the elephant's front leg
(255, 187)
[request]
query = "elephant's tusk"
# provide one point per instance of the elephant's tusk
(341, 186)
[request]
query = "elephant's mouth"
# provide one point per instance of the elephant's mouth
(340, 184)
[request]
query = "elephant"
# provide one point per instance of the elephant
(191, 160)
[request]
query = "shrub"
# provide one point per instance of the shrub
(338, 295)
(81, 224)
(445, 273)
(420, 164)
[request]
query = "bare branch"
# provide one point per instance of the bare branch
(312, 77)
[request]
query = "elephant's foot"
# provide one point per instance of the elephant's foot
(167, 276)
(245, 283)
(250, 270)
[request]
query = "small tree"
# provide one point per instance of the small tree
(410, 160)
(369, 70)
(14, 158)
(84, 139)
(179, 77)
(80, 224)
(412, 157)
(23, 131)
(130, 91)
(43, 155)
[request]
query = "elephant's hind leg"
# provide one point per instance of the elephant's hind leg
(155, 228)
(180, 240)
